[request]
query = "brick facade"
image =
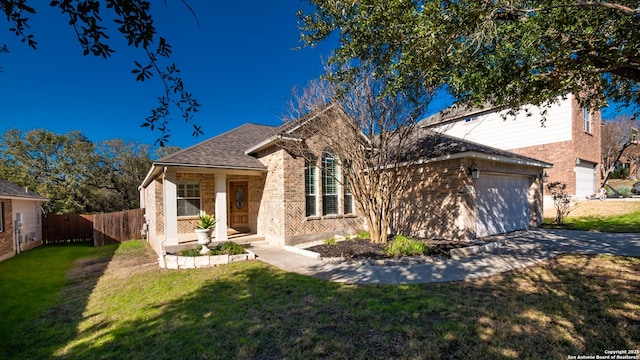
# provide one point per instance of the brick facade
(7, 247)
(440, 200)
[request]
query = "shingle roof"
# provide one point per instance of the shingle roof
(8, 189)
(454, 113)
(435, 145)
(225, 150)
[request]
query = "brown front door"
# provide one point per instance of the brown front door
(239, 205)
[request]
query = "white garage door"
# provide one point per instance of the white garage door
(585, 179)
(502, 204)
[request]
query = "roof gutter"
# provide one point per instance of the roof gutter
(490, 157)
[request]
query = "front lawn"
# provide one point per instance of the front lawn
(575, 305)
(627, 223)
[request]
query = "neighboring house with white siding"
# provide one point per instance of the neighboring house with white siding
(566, 135)
(20, 219)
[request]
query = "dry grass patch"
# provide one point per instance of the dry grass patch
(597, 208)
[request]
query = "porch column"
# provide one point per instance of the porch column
(170, 202)
(221, 207)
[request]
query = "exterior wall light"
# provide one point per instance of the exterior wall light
(545, 177)
(474, 171)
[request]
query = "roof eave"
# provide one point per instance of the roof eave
(490, 157)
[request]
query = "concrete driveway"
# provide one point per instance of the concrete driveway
(524, 249)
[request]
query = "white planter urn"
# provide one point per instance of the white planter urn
(204, 238)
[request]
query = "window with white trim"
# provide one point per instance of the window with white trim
(310, 188)
(329, 184)
(587, 120)
(188, 198)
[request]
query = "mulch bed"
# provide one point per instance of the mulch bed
(359, 249)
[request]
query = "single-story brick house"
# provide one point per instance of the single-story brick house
(20, 219)
(255, 186)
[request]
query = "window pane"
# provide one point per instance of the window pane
(311, 205)
(329, 172)
(348, 204)
(188, 207)
(310, 188)
(330, 204)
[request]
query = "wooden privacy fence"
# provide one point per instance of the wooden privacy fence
(111, 228)
(101, 229)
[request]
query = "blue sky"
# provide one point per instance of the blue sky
(240, 64)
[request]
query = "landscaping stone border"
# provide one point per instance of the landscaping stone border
(199, 262)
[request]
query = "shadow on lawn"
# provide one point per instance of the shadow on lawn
(66, 274)
(570, 306)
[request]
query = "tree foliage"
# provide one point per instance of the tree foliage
(76, 175)
(509, 53)
(371, 133)
(135, 23)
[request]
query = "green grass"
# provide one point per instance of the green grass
(31, 283)
(628, 223)
(570, 306)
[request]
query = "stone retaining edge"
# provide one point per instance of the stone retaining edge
(199, 262)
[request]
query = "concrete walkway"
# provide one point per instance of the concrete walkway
(525, 248)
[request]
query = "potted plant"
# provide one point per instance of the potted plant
(204, 228)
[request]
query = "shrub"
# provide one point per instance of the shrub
(561, 201)
(405, 246)
(363, 235)
(190, 252)
(620, 173)
(624, 191)
(206, 221)
(331, 241)
(228, 248)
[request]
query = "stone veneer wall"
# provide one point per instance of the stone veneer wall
(436, 203)
(270, 219)
(7, 248)
(152, 209)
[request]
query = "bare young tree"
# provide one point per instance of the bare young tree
(370, 129)
(615, 134)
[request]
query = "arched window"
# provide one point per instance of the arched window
(329, 184)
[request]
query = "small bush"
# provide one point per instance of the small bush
(561, 201)
(624, 191)
(363, 235)
(190, 252)
(331, 241)
(228, 248)
(620, 173)
(404, 246)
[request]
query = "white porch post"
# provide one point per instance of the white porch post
(221, 207)
(170, 200)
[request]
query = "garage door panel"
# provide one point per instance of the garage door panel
(502, 204)
(585, 179)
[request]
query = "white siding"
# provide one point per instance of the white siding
(515, 132)
(31, 219)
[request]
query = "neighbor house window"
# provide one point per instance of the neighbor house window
(329, 184)
(188, 199)
(310, 187)
(1, 216)
(348, 196)
(587, 120)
